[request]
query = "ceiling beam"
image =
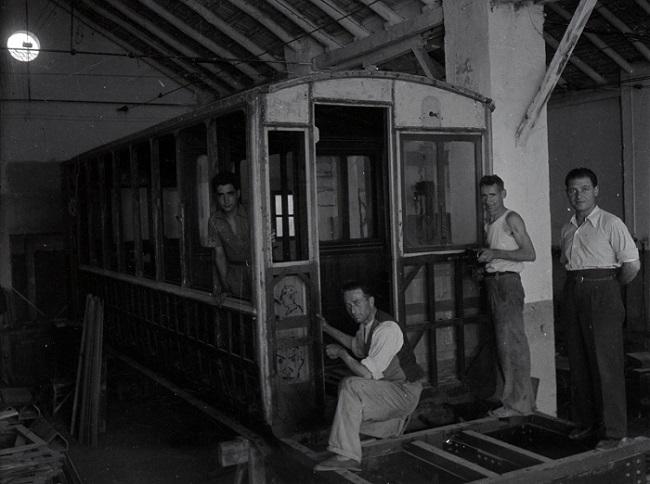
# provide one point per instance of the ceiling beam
(343, 18)
(155, 46)
(352, 53)
(555, 67)
(202, 39)
(431, 68)
(384, 11)
(310, 29)
(182, 80)
(267, 21)
(624, 29)
(576, 61)
(597, 41)
(235, 35)
(644, 5)
(171, 41)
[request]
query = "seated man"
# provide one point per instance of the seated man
(386, 388)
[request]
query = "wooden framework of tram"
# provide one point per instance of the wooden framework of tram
(346, 175)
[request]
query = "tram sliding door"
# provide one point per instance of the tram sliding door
(351, 174)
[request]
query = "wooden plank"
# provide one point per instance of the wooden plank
(80, 360)
(510, 451)
(555, 68)
(451, 463)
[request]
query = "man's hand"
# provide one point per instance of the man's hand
(324, 325)
(335, 351)
(486, 255)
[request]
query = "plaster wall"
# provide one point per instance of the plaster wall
(60, 105)
(498, 50)
(585, 130)
(635, 114)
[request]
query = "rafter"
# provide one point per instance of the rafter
(169, 40)
(265, 20)
(431, 68)
(624, 29)
(235, 35)
(163, 69)
(555, 67)
(576, 61)
(342, 18)
(597, 41)
(155, 46)
(203, 40)
(355, 52)
(312, 30)
(384, 11)
(644, 5)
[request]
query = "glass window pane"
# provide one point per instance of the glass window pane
(126, 210)
(360, 198)
(143, 165)
(171, 220)
(287, 179)
(329, 198)
(440, 200)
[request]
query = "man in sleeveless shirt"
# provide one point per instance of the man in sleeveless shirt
(386, 387)
(599, 255)
(509, 247)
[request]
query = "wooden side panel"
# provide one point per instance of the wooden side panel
(288, 105)
(359, 90)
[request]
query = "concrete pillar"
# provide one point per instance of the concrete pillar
(497, 49)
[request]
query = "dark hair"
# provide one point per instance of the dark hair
(489, 180)
(225, 178)
(352, 285)
(581, 173)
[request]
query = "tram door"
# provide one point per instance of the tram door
(351, 177)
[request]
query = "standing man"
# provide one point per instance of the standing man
(385, 389)
(599, 255)
(509, 246)
(229, 234)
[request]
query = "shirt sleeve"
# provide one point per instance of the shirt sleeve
(213, 233)
(387, 340)
(623, 243)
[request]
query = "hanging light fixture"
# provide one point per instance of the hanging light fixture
(23, 46)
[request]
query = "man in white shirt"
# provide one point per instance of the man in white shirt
(386, 387)
(599, 255)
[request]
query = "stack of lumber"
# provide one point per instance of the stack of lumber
(25, 458)
(86, 407)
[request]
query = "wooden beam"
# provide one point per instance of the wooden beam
(143, 37)
(310, 29)
(384, 11)
(555, 68)
(235, 35)
(355, 51)
(384, 55)
(644, 5)
(201, 39)
(173, 75)
(168, 39)
(597, 41)
(624, 29)
(267, 21)
(431, 68)
(576, 61)
(343, 18)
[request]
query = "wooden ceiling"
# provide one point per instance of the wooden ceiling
(225, 46)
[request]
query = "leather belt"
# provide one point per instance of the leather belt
(499, 273)
(593, 275)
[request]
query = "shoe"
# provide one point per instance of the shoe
(608, 444)
(338, 463)
(503, 412)
(582, 433)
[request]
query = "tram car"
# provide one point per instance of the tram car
(368, 176)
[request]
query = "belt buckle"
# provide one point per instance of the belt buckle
(581, 278)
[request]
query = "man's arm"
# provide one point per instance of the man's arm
(337, 351)
(526, 250)
(222, 267)
(629, 271)
(348, 341)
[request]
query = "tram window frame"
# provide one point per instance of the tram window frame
(146, 256)
(170, 201)
(108, 198)
(125, 178)
(292, 175)
(191, 148)
(82, 212)
(440, 140)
